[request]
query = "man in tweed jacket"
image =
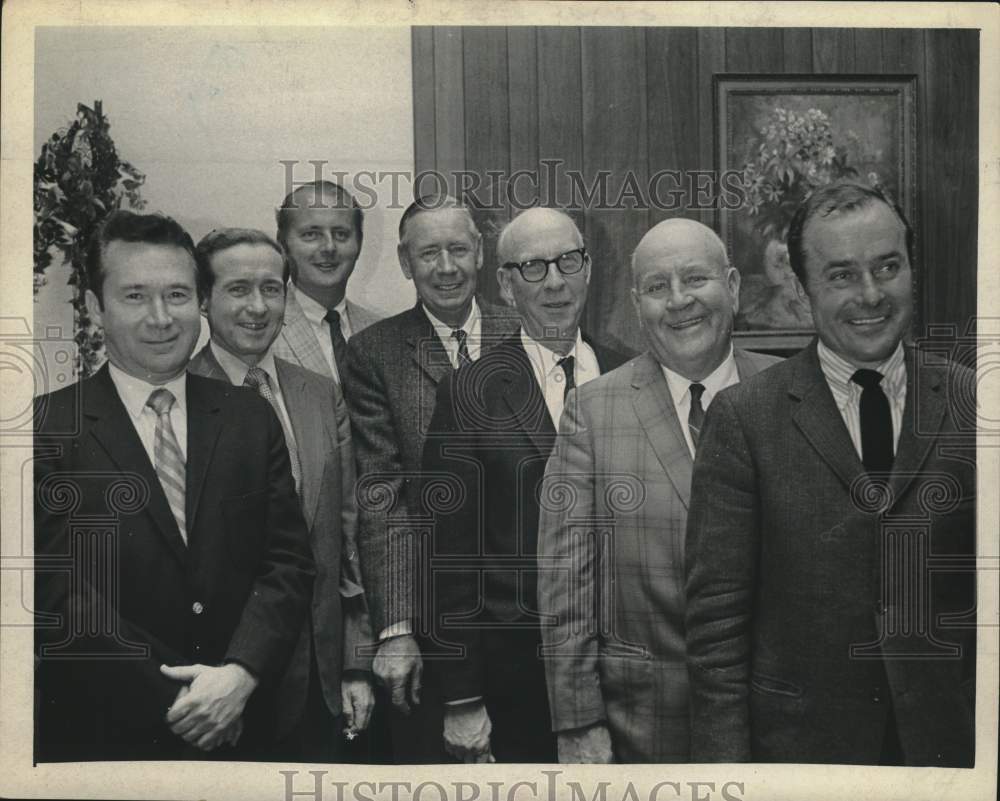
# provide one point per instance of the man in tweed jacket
(617, 680)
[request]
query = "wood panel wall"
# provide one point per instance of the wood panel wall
(641, 100)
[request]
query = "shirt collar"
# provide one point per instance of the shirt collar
(726, 374)
(134, 392)
(236, 369)
(316, 312)
(543, 359)
(444, 330)
(838, 371)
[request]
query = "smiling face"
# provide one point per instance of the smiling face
(247, 304)
(441, 253)
(550, 309)
(150, 309)
(686, 297)
(858, 282)
(323, 245)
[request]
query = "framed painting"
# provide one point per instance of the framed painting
(784, 136)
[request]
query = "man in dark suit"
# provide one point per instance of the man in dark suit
(394, 368)
(173, 565)
(617, 672)
(819, 628)
(492, 431)
(321, 228)
(242, 275)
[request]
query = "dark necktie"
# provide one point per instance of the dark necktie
(167, 457)
(876, 422)
(696, 416)
(463, 347)
(567, 363)
(337, 340)
(257, 379)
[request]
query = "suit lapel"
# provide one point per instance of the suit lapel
(300, 338)
(309, 440)
(205, 364)
(523, 397)
(425, 346)
(204, 425)
(115, 433)
(655, 411)
(926, 405)
(819, 419)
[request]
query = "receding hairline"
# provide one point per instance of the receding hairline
(716, 247)
(528, 216)
(447, 202)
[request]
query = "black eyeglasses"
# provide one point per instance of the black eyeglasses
(535, 270)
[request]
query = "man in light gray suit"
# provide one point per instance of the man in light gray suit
(614, 508)
(326, 687)
(321, 228)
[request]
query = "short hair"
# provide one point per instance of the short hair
(433, 202)
(289, 204)
(127, 226)
(837, 198)
(222, 239)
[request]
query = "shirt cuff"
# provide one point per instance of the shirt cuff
(399, 629)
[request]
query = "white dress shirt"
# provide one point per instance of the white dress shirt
(316, 315)
(236, 371)
(847, 394)
(550, 376)
(472, 327)
(725, 375)
(134, 392)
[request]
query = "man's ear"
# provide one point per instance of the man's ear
(479, 252)
(635, 304)
(800, 293)
(404, 261)
(733, 282)
(93, 306)
(506, 290)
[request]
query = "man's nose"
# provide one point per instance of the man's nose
(677, 295)
(255, 302)
(328, 243)
(871, 290)
(446, 262)
(159, 312)
(554, 279)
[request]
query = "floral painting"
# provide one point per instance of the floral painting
(785, 137)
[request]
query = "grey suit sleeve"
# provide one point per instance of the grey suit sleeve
(567, 557)
(387, 575)
(723, 540)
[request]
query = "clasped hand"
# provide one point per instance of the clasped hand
(208, 709)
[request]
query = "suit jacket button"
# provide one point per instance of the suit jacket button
(197, 607)
(877, 695)
(879, 608)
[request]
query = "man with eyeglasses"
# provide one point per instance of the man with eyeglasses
(616, 669)
(492, 431)
(393, 371)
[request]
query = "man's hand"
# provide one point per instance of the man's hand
(467, 730)
(589, 745)
(399, 668)
(358, 699)
(212, 702)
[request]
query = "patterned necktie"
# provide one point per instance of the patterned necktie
(463, 347)
(567, 364)
(257, 379)
(168, 459)
(696, 416)
(876, 422)
(337, 340)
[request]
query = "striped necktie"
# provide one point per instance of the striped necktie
(464, 357)
(256, 378)
(696, 415)
(167, 456)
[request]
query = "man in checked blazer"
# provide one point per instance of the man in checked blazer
(492, 431)
(321, 228)
(614, 508)
(831, 539)
(326, 687)
(394, 368)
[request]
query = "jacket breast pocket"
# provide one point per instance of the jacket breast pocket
(245, 519)
(770, 685)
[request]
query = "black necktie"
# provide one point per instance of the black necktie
(696, 416)
(567, 363)
(463, 347)
(876, 422)
(337, 340)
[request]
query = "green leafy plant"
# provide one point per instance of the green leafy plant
(78, 180)
(797, 153)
